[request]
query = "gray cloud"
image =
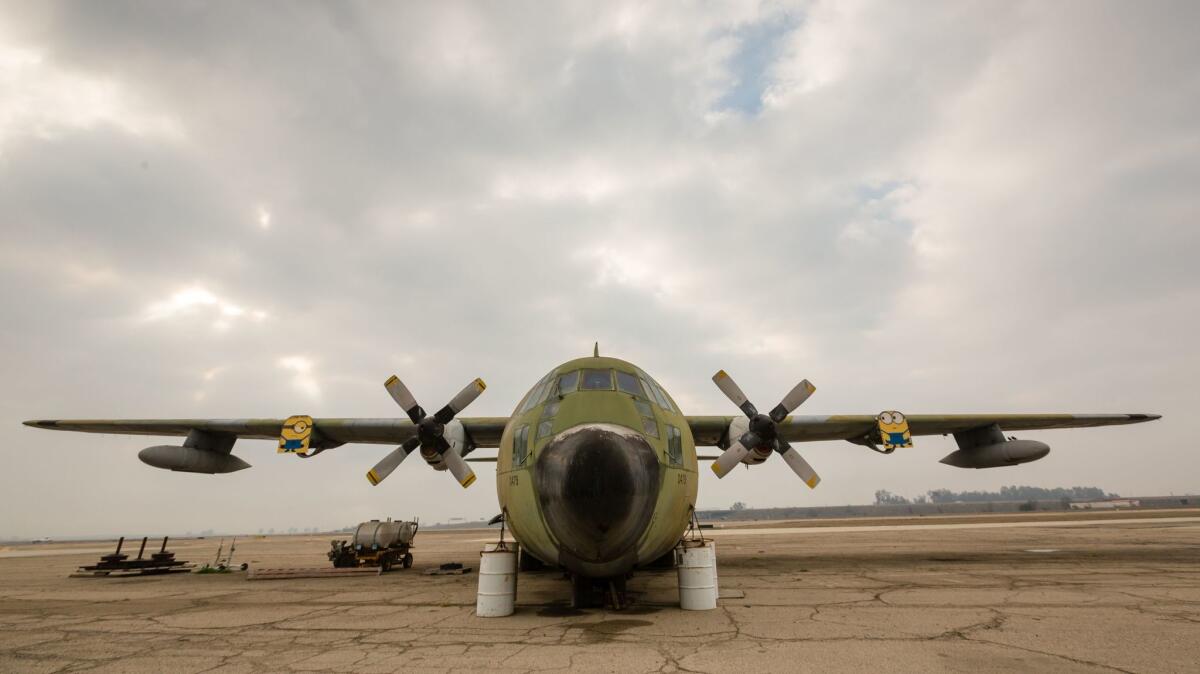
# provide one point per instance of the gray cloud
(983, 207)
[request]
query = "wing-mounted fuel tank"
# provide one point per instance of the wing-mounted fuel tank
(202, 452)
(988, 448)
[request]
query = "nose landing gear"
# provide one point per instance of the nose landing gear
(599, 592)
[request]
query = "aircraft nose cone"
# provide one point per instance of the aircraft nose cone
(598, 485)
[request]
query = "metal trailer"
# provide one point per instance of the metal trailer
(382, 544)
(120, 564)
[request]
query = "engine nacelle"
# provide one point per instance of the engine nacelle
(996, 455)
(190, 460)
(456, 435)
(737, 428)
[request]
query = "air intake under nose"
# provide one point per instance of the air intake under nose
(598, 485)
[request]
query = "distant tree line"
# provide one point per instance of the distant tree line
(1011, 493)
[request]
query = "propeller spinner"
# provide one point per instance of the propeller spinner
(431, 432)
(763, 433)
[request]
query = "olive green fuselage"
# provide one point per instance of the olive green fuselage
(596, 469)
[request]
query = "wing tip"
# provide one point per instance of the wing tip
(40, 423)
(1144, 417)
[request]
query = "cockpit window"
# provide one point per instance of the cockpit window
(661, 397)
(656, 394)
(643, 408)
(650, 426)
(567, 382)
(597, 380)
(628, 383)
(520, 446)
(536, 393)
(674, 446)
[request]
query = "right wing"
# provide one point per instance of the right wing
(484, 431)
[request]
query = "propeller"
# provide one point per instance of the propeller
(431, 431)
(763, 433)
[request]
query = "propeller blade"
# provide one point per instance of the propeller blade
(404, 398)
(459, 468)
(798, 464)
(731, 391)
(459, 402)
(730, 458)
(792, 400)
(392, 461)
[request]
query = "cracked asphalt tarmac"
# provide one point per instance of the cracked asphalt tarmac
(1122, 596)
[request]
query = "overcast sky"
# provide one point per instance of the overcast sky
(235, 209)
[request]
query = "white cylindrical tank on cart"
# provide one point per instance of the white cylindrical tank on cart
(376, 535)
(697, 576)
(497, 595)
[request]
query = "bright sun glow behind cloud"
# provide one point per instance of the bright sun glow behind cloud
(189, 301)
(37, 98)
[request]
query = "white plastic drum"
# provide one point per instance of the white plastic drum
(697, 576)
(712, 545)
(497, 581)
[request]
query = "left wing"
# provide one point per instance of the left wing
(483, 431)
(710, 431)
(981, 441)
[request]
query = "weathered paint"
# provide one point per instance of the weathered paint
(515, 485)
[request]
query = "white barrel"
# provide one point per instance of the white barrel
(697, 576)
(712, 545)
(497, 581)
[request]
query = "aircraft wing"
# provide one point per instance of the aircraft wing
(708, 431)
(484, 431)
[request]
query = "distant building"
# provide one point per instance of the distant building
(1108, 504)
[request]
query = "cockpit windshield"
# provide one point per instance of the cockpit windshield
(597, 380)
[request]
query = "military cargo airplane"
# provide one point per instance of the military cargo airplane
(596, 468)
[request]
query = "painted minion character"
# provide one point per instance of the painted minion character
(893, 430)
(295, 435)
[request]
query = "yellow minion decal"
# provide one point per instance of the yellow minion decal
(295, 435)
(893, 430)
